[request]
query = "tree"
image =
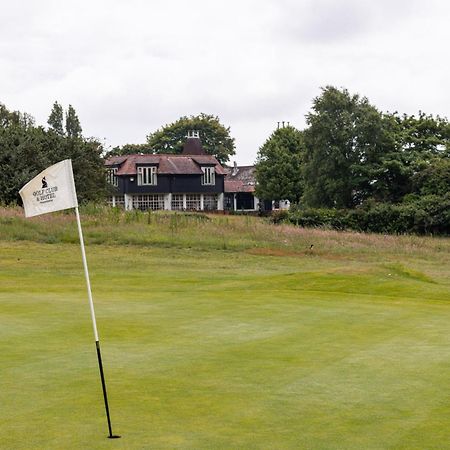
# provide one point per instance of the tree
(88, 167)
(434, 179)
(73, 127)
(22, 153)
(411, 144)
(216, 139)
(56, 118)
(279, 166)
(425, 135)
(130, 149)
(26, 150)
(345, 137)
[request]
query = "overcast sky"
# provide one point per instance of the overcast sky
(128, 67)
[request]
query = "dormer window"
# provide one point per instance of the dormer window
(111, 177)
(208, 177)
(146, 176)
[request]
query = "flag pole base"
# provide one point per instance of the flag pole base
(114, 437)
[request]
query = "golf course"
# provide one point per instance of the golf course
(221, 332)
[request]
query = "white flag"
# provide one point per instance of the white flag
(52, 190)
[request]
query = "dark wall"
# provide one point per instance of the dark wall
(170, 183)
(131, 187)
(193, 183)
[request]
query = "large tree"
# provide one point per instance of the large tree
(215, 137)
(344, 138)
(279, 166)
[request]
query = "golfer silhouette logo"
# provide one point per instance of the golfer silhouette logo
(44, 183)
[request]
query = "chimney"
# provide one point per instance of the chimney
(235, 169)
(193, 145)
(193, 134)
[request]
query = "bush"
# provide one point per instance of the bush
(279, 216)
(419, 215)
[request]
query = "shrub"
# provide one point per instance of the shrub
(419, 215)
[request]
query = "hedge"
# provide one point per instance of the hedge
(422, 215)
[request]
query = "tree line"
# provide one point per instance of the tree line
(27, 149)
(352, 156)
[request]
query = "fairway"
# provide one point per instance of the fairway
(209, 348)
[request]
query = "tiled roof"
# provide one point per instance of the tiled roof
(238, 186)
(167, 164)
(240, 179)
(179, 165)
(244, 173)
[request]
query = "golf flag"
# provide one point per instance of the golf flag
(52, 190)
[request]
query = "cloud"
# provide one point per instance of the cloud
(129, 68)
(329, 21)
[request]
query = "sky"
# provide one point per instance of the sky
(129, 67)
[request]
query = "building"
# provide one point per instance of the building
(190, 181)
(240, 184)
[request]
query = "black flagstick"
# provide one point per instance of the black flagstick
(105, 395)
(94, 324)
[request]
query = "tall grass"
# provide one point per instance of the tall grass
(112, 226)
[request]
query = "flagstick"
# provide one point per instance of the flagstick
(94, 324)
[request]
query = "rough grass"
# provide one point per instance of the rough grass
(111, 226)
(227, 333)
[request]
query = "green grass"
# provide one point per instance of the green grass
(222, 338)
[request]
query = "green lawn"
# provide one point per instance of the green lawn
(215, 348)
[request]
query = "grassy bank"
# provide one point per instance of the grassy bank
(110, 226)
(224, 333)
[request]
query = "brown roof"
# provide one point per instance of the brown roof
(240, 179)
(178, 165)
(167, 164)
(238, 186)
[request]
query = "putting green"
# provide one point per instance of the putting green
(219, 349)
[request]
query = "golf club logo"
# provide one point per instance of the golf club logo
(47, 193)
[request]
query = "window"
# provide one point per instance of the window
(208, 177)
(147, 176)
(177, 202)
(145, 202)
(193, 201)
(210, 202)
(120, 201)
(111, 177)
(117, 201)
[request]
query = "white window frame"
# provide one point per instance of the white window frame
(177, 203)
(210, 202)
(146, 202)
(147, 176)
(193, 202)
(209, 176)
(111, 176)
